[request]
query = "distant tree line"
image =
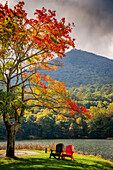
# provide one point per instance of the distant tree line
(99, 101)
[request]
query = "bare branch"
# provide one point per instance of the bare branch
(21, 82)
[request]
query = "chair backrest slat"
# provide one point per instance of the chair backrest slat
(59, 147)
(69, 149)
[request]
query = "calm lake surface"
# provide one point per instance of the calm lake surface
(95, 146)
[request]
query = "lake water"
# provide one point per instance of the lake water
(95, 146)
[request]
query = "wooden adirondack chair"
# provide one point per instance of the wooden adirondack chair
(69, 152)
(58, 151)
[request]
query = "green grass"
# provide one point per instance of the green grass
(44, 162)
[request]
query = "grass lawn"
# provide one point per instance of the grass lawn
(44, 162)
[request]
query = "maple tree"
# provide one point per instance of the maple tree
(28, 46)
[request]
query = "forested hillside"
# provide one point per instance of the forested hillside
(91, 95)
(83, 68)
(97, 98)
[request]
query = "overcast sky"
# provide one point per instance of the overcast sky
(93, 20)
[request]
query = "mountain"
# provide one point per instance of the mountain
(83, 68)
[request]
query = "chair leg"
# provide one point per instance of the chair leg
(62, 157)
(72, 158)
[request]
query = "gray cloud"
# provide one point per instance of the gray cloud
(93, 21)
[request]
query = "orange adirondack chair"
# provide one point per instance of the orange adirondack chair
(69, 152)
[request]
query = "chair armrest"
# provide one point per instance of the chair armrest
(62, 151)
(52, 150)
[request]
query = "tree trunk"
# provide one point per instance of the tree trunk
(12, 128)
(10, 141)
